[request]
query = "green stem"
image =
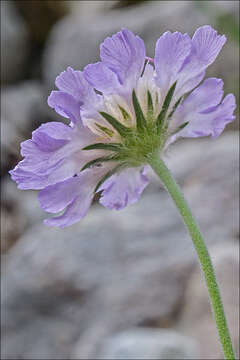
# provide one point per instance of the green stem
(164, 174)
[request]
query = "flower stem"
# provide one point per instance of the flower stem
(164, 174)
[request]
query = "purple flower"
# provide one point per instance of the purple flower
(122, 110)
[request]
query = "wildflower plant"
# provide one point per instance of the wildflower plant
(124, 112)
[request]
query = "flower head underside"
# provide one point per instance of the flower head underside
(122, 110)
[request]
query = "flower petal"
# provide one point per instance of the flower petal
(206, 45)
(178, 58)
(224, 114)
(73, 213)
(73, 83)
(75, 92)
(101, 78)
(124, 54)
(172, 49)
(187, 86)
(55, 198)
(146, 83)
(207, 95)
(65, 105)
(25, 179)
(123, 188)
(203, 111)
(56, 130)
(75, 194)
(52, 156)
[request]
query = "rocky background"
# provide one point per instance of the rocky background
(121, 285)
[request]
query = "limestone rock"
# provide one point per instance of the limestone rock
(197, 319)
(149, 344)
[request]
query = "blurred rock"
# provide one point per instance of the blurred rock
(208, 171)
(79, 278)
(67, 291)
(40, 16)
(126, 3)
(14, 43)
(90, 8)
(22, 111)
(10, 233)
(212, 183)
(149, 344)
(197, 319)
(74, 43)
(220, 7)
(20, 208)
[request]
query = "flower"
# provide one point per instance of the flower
(122, 110)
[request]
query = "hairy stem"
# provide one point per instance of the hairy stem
(164, 174)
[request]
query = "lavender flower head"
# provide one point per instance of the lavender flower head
(122, 110)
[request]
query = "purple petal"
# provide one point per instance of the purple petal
(76, 211)
(124, 54)
(185, 87)
(172, 49)
(75, 194)
(65, 105)
(123, 188)
(203, 110)
(38, 161)
(206, 45)
(101, 78)
(25, 179)
(73, 83)
(47, 143)
(56, 130)
(178, 58)
(54, 154)
(207, 95)
(55, 198)
(75, 93)
(224, 114)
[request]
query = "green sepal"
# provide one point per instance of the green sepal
(121, 129)
(103, 146)
(175, 107)
(125, 114)
(106, 130)
(167, 101)
(108, 175)
(150, 103)
(140, 119)
(180, 128)
(99, 161)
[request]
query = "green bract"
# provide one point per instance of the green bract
(137, 144)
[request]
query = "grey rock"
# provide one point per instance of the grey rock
(22, 109)
(197, 319)
(114, 271)
(79, 277)
(26, 202)
(14, 43)
(90, 8)
(148, 344)
(221, 8)
(20, 208)
(10, 233)
(207, 171)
